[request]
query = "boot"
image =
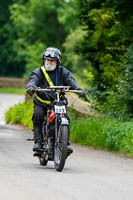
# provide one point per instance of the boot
(38, 138)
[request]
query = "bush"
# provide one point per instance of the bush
(20, 114)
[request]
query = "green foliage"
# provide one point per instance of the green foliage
(72, 40)
(104, 43)
(20, 114)
(106, 133)
(107, 45)
(32, 21)
(32, 58)
(73, 60)
(67, 15)
(88, 132)
(28, 27)
(39, 24)
(9, 64)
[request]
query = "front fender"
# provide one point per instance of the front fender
(64, 121)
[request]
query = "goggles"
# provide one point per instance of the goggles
(50, 53)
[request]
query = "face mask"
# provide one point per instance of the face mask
(50, 67)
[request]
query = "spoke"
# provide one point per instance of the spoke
(59, 146)
(59, 150)
(58, 153)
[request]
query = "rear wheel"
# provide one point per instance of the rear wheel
(60, 148)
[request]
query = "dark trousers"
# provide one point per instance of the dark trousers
(38, 119)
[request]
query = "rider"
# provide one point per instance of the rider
(50, 74)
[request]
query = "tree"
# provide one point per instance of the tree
(39, 24)
(109, 35)
(28, 27)
(9, 64)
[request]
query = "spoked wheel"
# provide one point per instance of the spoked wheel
(60, 148)
(43, 162)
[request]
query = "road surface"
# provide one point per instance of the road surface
(88, 174)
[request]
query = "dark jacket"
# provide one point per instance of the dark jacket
(60, 77)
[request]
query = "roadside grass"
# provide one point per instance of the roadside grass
(103, 133)
(20, 113)
(12, 90)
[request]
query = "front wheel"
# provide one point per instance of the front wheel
(60, 147)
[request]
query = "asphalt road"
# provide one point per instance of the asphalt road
(88, 174)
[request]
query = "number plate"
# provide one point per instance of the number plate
(60, 109)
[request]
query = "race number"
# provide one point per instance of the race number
(60, 109)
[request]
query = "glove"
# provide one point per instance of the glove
(31, 90)
(82, 94)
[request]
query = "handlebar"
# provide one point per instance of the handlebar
(57, 89)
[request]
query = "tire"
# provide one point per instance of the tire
(43, 162)
(60, 148)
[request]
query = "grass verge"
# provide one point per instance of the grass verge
(103, 133)
(12, 90)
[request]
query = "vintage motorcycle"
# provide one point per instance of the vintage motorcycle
(55, 129)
